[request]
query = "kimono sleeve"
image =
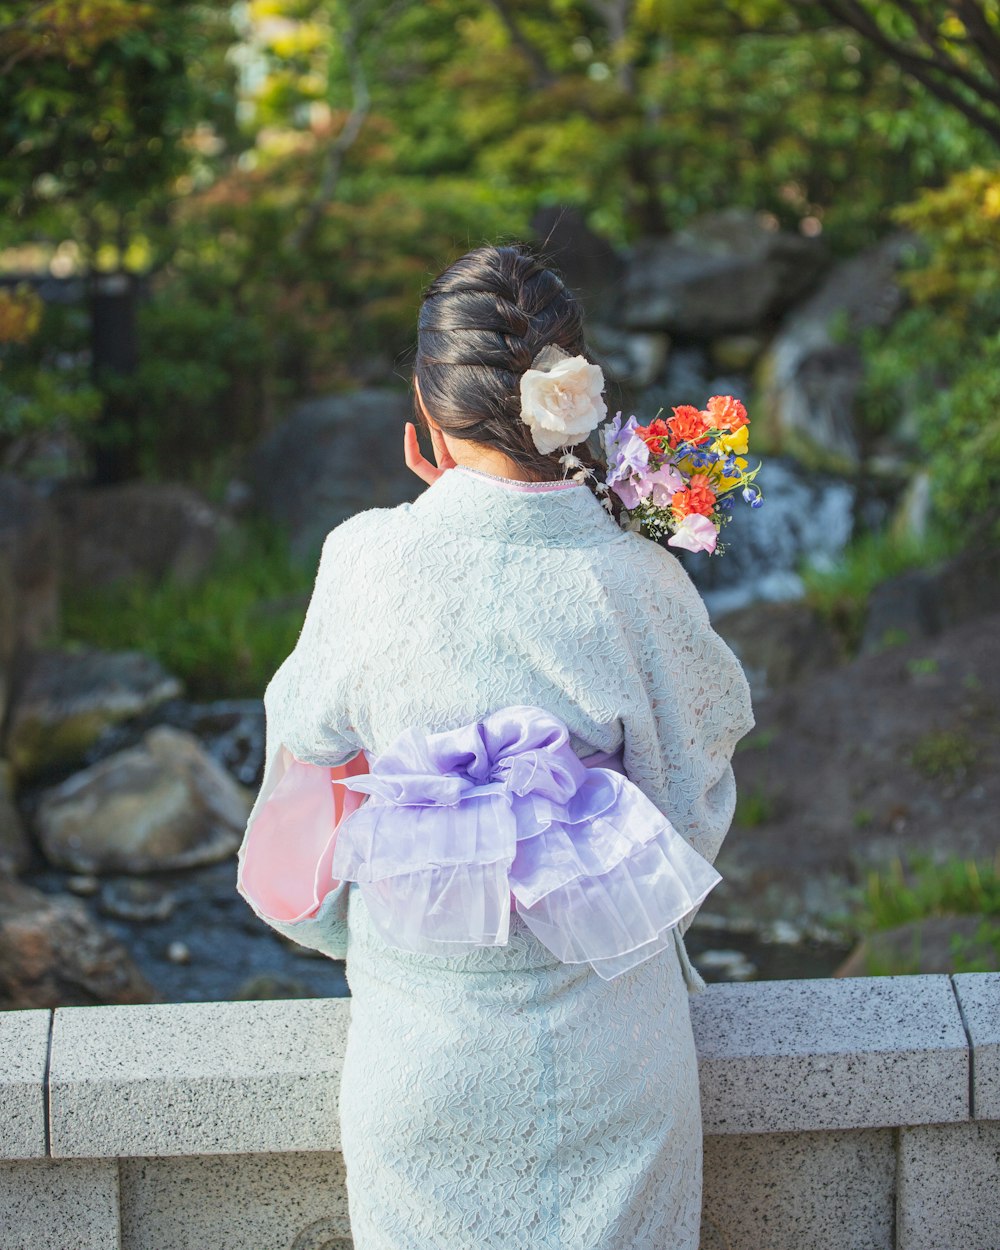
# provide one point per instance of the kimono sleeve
(283, 861)
(690, 709)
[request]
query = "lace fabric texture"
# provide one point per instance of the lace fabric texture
(504, 1097)
(477, 597)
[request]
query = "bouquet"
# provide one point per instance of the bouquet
(679, 476)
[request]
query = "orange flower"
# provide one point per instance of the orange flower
(726, 413)
(697, 497)
(653, 435)
(687, 425)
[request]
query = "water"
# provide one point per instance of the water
(804, 515)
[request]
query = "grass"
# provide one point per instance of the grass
(225, 635)
(924, 888)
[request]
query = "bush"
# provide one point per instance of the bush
(936, 372)
(224, 636)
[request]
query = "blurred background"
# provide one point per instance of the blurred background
(218, 221)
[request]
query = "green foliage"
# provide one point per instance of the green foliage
(936, 372)
(225, 635)
(753, 808)
(97, 101)
(199, 386)
(44, 380)
(923, 887)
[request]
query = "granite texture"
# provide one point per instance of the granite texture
(197, 1078)
(24, 1047)
(833, 1053)
(799, 1191)
(948, 1187)
(59, 1204)
(231, 1202)
(978, 996)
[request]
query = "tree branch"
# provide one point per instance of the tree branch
(925, 70)
(542, 75)
(333, 158)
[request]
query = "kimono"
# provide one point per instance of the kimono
(497, 776)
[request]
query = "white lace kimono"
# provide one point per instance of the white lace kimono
(478, 596)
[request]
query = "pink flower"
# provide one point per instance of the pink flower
(695, 533)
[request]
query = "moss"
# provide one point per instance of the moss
(944, 755)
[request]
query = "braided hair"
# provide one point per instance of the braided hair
(482, 322)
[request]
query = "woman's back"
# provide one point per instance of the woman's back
(483, 594)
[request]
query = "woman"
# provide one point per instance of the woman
(542, 719)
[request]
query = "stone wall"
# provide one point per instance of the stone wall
(842, 1114)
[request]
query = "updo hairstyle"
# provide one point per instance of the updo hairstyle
(482, 322)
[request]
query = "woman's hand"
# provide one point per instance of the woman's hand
(420, 465)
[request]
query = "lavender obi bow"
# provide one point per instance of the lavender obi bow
(456, 822)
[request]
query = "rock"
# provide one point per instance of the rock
(151, 530)
(806, 516)
(8, 632)
(924, 946)
(736, 353)
(779, 643)
(726, 273)
(733, 965)
(810, 376)
(589, 264)
(85, 884)
(334, 456)
(29, 551)
(15, 851)
(179, 953)
(136, 899)
(52, 954)
(163, 804)
(631, 358)
(921, 603)
(266, 986)
(69, 698)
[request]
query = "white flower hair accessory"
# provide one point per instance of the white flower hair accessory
(561, 398)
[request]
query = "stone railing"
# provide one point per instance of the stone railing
(839, 1114)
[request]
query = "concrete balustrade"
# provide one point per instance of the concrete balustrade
(839, 1114)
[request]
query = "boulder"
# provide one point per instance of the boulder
(151, 530)
(162, 804)
(15, 852)
(921, 603)
(53, 954)
(332, 457)
(8, 632)
(591, 267)
(779, 643)
(933, 944)
(810, 375)
(68, 698)
(632, 358)
(726, 273)
(29, 540)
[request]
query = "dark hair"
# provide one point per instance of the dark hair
(482, 322)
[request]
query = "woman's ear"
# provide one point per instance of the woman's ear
(431, 423)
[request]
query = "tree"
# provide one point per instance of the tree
(952, 49)
(105, 106)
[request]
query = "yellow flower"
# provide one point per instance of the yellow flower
(737, 442)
